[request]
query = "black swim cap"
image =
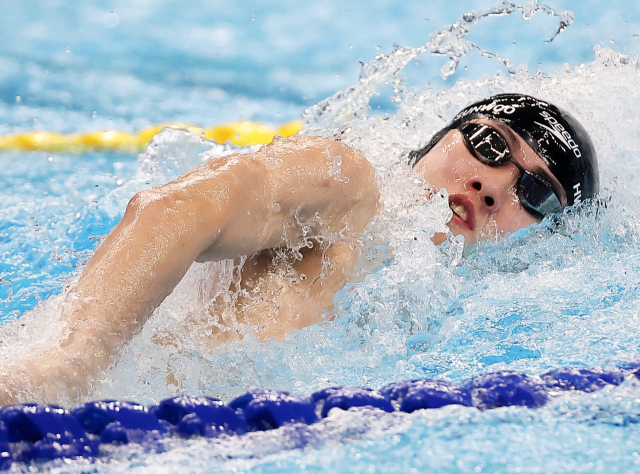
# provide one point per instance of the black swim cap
(554, 134)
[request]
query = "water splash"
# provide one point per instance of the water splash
(353, 102)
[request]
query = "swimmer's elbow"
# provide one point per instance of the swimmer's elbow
(152, 204)
(143, 200)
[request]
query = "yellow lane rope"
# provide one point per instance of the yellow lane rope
(238, 133)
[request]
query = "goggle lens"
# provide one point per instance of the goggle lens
(537, 196)
(486, 144)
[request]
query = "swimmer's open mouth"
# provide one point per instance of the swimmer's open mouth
(463, 211)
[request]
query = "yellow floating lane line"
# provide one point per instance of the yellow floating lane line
(239, 133)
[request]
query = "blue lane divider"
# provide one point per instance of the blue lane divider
(34, 432)
(267, 409)
(349, 397)
(412, 395)
(504, 389)
(44, 432)
(202, 416)
(120, 422)
(585, 380)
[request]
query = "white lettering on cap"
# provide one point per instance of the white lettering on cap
(490, 107)
(577, 193)
(560, 133)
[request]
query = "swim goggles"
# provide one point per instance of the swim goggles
(488, 146)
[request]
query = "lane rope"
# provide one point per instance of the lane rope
(239, 133)
(37, 432)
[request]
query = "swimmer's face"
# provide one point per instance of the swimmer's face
(483, 198)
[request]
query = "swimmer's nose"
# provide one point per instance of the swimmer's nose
(493, 185)
(489, 197)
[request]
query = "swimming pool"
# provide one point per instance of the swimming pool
(559, 294)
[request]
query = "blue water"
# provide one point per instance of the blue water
(561, 293)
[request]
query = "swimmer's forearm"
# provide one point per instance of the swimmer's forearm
(137, 266)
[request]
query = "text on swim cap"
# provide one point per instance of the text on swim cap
(492, 107)
(559, 132)
(577, 193)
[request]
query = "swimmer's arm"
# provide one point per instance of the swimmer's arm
(231, 206)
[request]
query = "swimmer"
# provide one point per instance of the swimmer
(506, 161)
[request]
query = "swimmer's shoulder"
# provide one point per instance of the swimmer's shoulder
(311, 143)
(310, 149)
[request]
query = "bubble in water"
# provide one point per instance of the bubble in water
(110, 19)
(469, 17)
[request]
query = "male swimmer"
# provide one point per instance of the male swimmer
(507, 162)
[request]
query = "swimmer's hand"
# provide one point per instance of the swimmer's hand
(229, 207)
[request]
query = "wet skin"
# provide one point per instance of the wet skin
(483, 198)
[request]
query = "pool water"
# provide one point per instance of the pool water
(561, 293)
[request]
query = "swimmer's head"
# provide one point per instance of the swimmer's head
(507, 153)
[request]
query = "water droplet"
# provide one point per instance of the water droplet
(119, 182)
(110, 19)
(276, 207)
(303, 277)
